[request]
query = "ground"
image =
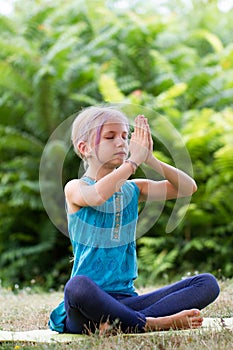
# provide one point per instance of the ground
(29, 310)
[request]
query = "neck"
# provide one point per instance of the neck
(98, 174)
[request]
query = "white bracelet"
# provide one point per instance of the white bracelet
(134, 165)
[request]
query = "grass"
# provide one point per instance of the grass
(28, 310)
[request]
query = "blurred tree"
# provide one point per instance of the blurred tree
(56, 59)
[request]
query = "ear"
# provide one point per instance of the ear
(83, 148)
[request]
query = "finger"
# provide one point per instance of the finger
(149, 134)
(139, 125)
(142, 132)
(146, 130)
(150, 139)
(143, 124)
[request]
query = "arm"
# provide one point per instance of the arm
(177, 184)
(80, 194)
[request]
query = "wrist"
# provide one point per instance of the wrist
(133, 165)
(150, 160)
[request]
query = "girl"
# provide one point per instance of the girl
(102, 216)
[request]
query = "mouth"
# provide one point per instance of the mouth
(122, 154)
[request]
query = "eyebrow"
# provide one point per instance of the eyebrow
(113, 131)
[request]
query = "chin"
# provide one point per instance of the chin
(117, 162)
(120, 161)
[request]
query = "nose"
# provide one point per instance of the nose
(120, 141)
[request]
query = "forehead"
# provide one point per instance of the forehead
(115, 124)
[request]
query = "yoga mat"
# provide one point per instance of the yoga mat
(49, 336)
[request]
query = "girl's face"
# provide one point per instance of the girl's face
(112, 148)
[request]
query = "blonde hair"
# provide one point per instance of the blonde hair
(90, 120)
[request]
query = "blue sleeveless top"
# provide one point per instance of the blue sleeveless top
(104, 247)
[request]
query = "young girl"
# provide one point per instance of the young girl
(102, 210)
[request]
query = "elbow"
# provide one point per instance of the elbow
(189, 191)
(194, 187)
(192, 190)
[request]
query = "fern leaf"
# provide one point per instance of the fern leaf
(224, 158)
(83, 98)
(19, 141)
(65, 43)
(212, 39)
(109, 89)
(12, 80)
(167, 98)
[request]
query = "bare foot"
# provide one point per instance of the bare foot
(182, 320)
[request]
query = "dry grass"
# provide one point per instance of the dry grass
(28, 310)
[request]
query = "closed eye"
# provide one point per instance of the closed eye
(112, 137)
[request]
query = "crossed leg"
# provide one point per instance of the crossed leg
(186, 319)
(176, 306)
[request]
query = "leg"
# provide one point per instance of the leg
(177, 305)
(87, 306)
(194, 292)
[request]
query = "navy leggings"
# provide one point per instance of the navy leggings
(87, 305)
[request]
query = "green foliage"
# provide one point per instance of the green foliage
(56, 58)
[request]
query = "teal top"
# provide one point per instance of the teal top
(104, 247)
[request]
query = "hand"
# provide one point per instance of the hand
(150, 149)
(141, 141)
